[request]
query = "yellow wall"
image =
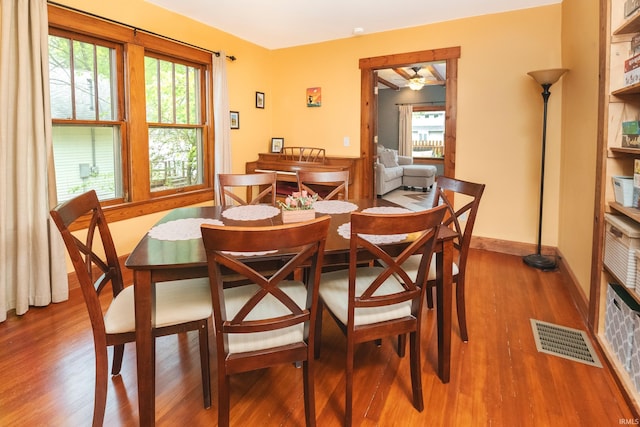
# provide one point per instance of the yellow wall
(579, 135)
(499, 108)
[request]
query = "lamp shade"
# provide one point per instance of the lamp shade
(547, 76)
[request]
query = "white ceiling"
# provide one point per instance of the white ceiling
(275, 24)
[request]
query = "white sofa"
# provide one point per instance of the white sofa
(393, 171)
(389, 170)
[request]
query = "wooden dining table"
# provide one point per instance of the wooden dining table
(156, 260)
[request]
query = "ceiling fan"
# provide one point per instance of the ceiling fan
(416, 82)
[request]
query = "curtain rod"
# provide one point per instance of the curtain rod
(424, 102)
(229, 57)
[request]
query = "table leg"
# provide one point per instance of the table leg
(145, 346)
(444, 284)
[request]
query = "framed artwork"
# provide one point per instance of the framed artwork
(277, 144)
(314, 97)
(259, 100)
(235, 119)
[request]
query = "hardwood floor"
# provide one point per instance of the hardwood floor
(498, 378)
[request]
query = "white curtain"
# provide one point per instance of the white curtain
(221, 120)
(32, 261)
(405, 143)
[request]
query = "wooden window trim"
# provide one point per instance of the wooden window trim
(138, 198)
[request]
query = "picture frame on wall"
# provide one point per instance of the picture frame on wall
(259, 99)
(235, 119)
(277, 144)
(314, 97)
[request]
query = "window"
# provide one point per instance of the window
(427, 127)
(136, 128)
(175, 125)
(87, 130)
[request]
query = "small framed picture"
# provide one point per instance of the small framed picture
(277, 144)
(314, 97)
(235, 119)
(259, 100)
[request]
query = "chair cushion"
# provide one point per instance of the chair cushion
(268, 307)
(178, 301)
(411, 267)
(388, 159)
(334, 288)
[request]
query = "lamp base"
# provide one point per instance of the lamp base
(540, 262)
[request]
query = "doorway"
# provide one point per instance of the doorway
(369, 105)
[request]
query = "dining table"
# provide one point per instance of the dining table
(172, 250)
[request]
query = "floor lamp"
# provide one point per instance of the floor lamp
(545, 78)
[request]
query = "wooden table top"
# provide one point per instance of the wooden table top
(151, 253)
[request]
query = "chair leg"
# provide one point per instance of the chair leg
(430, 296)
(460, 308)
(317, 339)
(223, 399)
(203, 338)
(118, 352)
(100, 398)
(348, 413)
(416, 370)
(402, 341)
(309, 393)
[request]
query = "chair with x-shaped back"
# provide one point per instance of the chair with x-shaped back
(326, 184)
(373, 302)
(460, 217)
(265, 182)
(271, 320)
(181, 305)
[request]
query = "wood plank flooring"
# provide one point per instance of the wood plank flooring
(497, 379)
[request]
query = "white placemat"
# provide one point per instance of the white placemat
(345, 231)
(386, 210)
(250, 212)
(334, 206)
(181, 229)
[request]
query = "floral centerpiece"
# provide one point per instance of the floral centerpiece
(298, 207)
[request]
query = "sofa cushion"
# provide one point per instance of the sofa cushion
(388, 159)
(387, 174)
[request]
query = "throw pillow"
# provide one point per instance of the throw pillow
(388, 159)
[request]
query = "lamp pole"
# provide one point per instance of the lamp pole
(545, 78)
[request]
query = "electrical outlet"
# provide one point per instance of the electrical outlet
(346, 141)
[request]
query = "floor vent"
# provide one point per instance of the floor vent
(568, 343)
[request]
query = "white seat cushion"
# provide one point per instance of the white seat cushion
(411, 267)
(334, 288)
(268, 307)
(178, 301)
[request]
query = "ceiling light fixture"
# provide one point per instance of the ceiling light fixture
(416, 82)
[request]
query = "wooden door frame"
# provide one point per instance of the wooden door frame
(368, 105)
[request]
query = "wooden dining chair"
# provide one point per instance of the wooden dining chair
(180, 305)
(467, 197)
(326, 184)
(271, 320)
(373, 302)
(266, 183)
